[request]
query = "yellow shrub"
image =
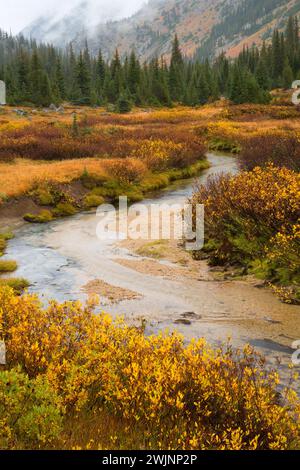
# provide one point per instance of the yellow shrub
(157, 154)
(181, 397)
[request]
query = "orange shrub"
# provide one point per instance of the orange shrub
(125, 170)
(282, 150)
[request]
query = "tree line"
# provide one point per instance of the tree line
(41, 74)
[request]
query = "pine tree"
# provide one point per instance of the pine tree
(59, 81)
(41, 73)
(176, 72)
(116, 84)
(83, 80)
(262, 74)
(40, 88)
(23, 71)
(124, 104)
(46, 96)
(100, 75)
(203, 88)
(133, 75)
(236, 86)
(287, 75)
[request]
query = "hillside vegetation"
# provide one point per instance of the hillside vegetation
(41, 75)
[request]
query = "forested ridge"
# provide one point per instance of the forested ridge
(40, 74)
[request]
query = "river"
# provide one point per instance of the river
(61, 257)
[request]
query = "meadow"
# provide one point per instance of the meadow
(72, 375)
(131, 154)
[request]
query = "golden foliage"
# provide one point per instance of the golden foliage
(254, 216)
(180, 397)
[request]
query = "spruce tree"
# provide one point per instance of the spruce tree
(287, 75)
(83, 80)
(176, 72)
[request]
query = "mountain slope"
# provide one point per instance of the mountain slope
(204, 27)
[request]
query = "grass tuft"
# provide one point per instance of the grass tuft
(7, 266)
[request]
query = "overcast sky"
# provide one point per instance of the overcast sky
(16, 14)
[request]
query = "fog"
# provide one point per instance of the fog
(17, 14)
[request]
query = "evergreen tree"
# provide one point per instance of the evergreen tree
(176, 72)
(287, 75)
(124, 104)
(133, 75)
(46, 96)
(59, 89)
(83, 80)
(262, 74)
(40, 74)
(23, 83)
(100, 76)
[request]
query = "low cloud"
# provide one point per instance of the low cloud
(18, 14)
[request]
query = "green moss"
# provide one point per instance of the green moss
(188, 172)
(224, 145)
(45, 198)
(134, 195)
(43, 217)
(7, 266)
(3, 244)
(112, 189)
(64, 209)
(92, 181)
(261, 268)
(16, 283)
(92, 200)
(4, 237)
(154, 249)
(154, 182)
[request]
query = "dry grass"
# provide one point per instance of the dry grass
(122, 136)
(18, 178)
(43, 147)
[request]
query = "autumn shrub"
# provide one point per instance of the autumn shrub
(64, 209)
(282, 150)
(17, 284)
(45, 141)
(221, 136)
(258, 112)
(30, 411)
(125, 170)
(92, 200)
(36, 337)
(159, 155)
(178, 396)
(252, 220)
(154, 153)
(44, 196)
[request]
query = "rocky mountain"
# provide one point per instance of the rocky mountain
(204, 27)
